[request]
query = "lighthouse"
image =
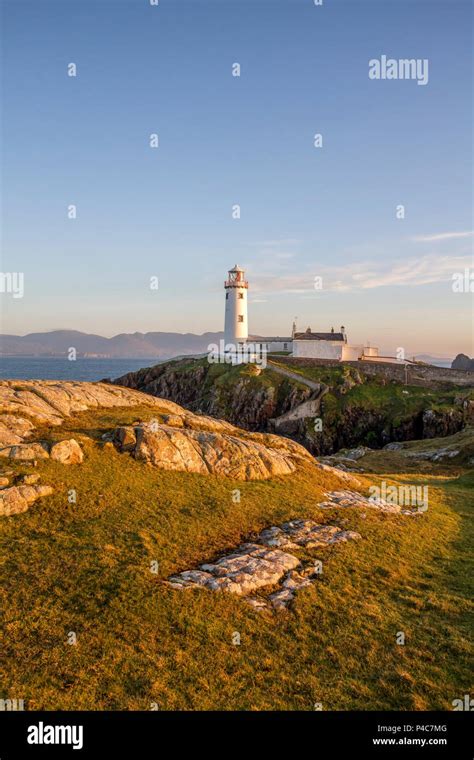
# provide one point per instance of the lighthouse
(236, 321)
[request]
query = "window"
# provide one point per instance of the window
(240, 318)
(241, 295)
(226, 296)
(285, 346)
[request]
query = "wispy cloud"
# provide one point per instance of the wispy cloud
(442, 236)
(364, 275)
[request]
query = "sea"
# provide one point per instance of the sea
(60, 368)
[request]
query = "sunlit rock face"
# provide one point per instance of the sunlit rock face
(174, 440)
(25, 404)
(204, 445)
(18, 499)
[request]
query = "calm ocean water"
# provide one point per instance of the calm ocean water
(59, 368)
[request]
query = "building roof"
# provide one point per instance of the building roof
(271, 339)
(308, 335)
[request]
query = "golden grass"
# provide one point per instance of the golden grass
(85, 568)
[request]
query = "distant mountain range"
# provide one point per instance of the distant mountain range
(152, 345)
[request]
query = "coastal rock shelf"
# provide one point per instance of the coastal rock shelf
(263, 563)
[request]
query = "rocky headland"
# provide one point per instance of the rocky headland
(353, 406)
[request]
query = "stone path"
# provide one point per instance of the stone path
(309, 408)
(294, 376)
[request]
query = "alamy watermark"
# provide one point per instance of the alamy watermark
(463, 282)
(402, 68)
(12, 705)
(12, 282)
(400, 495)
(466, 703)
(46, 734)
(237, 353)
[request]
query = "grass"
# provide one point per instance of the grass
(85, 568)
(374, 392)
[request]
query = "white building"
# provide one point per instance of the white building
(331, 345)
(319, 345)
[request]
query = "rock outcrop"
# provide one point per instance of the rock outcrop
(269, 559)
(30, 479)
(203, 445)
(265, 562)
(26, 452)
(458, 448)
(18, 499)
(174, 440)
(349, 499)
(67, 452)
(26, 404)
(247, 401)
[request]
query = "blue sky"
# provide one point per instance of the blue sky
(305, 211)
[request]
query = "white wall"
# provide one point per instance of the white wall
(236, 331)
(351, 353)
(318, 349)
(371, 351)
(279, 345)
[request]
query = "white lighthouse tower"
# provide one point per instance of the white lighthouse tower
(236, 328)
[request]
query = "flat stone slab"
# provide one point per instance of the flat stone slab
(253, 566)
(433, 455)
(349, 499)
(242, 572)
(305, 533)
